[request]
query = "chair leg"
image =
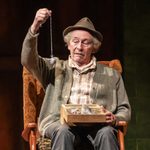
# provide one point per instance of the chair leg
(121, 140)
(32, 140)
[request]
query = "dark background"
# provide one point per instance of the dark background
(125, 25)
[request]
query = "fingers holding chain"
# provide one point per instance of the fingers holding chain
(42, 15)
(40, 18)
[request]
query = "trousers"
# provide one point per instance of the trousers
(95, 137)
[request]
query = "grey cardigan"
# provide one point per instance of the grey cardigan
(107, 88)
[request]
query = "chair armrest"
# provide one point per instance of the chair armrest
(122, 129)
(122, 125)
(27, 131)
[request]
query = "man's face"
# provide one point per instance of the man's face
(81, 47)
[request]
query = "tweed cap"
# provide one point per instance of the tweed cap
(84, 24)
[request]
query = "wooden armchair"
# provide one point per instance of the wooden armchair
(33, 94)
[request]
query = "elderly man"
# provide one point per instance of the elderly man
(78, 80)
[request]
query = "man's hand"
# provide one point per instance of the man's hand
(110, 118)
(41, 16)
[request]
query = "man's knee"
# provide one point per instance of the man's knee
(63, 129)
(106, 131)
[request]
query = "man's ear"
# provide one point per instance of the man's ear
(68, 47)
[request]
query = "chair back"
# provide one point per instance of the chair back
(33, 95)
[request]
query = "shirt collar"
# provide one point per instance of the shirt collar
(91, 65)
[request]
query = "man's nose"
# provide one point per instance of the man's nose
(79, 45)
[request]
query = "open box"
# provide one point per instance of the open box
(98, 114)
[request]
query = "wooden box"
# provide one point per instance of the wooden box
(98, 114)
